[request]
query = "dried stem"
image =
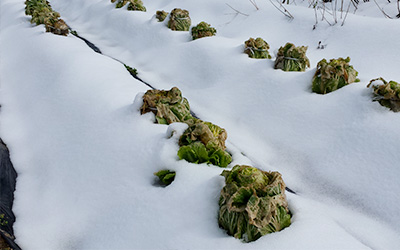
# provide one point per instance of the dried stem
(238, 12)
(253, 2)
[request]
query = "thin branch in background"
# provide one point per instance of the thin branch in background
(283, 12)
(316, 19)
(237, 12)
(347, 12)
(383, 12)
(253, 2)
(398, 8)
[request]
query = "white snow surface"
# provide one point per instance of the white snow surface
(86, 157)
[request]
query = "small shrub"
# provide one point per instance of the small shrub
(252, 203)
(168, 106)
(161, 15)
(136, 5)
(203, 29)
(333, 75)
(179, 20)
(292, 58)
(257, 48)
(166, 176)
(387, 94)
(132, 71)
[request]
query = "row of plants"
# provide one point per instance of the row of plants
(252, 202)
(42, 13)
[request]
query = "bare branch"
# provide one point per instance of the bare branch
(238, 12)
(253, 2)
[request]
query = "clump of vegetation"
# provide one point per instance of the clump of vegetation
(132, 71)
(120, 3)
(179, 20)
(252, 203)
(203, 29)
(136, 5)
(292, 58)
(204, 142)
(387, 94)
(168, 106)
(42, 13)
(166, 176)
(333, 75)
(161, 15)
(257, 48)
(3, 220)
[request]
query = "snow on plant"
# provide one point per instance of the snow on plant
(333, 75)
(42, 13)
(292, 58)
(168, 106)
(136, 5)
(120, 3)
(166, 176)
(161, 15)
(257, 48)
(179, 20)
(203, 29)
(204, 142)
(387, 94)
(252, 203)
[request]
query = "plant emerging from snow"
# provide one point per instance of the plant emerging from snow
(166, 176)
(333, 75)
(252, 203)
(387, 94)
(292, 58)
(257, 48)
(203, 29)
(179, 20)
(161, 15)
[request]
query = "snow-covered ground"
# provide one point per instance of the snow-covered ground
(86, 158)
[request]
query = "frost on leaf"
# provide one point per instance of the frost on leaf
(292, 58)
(168, 106)
(333, 75)
(203, 29)
(166, 176)
(257, 48)
(252, 203)
(179, 20)
(161, 15)
(387, 94)
(204, 142)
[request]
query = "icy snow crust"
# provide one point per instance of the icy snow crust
(86, 158)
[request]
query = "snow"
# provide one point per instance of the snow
(86, 157)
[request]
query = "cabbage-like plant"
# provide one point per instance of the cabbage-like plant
(179, 20)
(166, 176)
(58, 28)
(333, 75)
(136, 5)
(387, 94)
(204, 142)
(161, 15)
(121, 3)
(257, 48)
(252, 203)
(203, 29)
(292, 58)
(168, 106)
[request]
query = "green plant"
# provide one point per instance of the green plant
(132, 71)
(292, 58)
(161, 15)
(203, 29)
(3, 221)
(121, 3)
(333, 75)
(179, 20)
(387, 94)
(252, 203)
(168, 106)
(136, 5)
(257, 48)
(166, 176)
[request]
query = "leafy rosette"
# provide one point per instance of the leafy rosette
(292, 58)
(179, 20)
(168, 106)
(333, 75)
(120, 3)
(387, 94)
(166, 176)
(136, 5)
(203, 29)
(257, 48)
(161, 15)
(252, 203)
(204, 142)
